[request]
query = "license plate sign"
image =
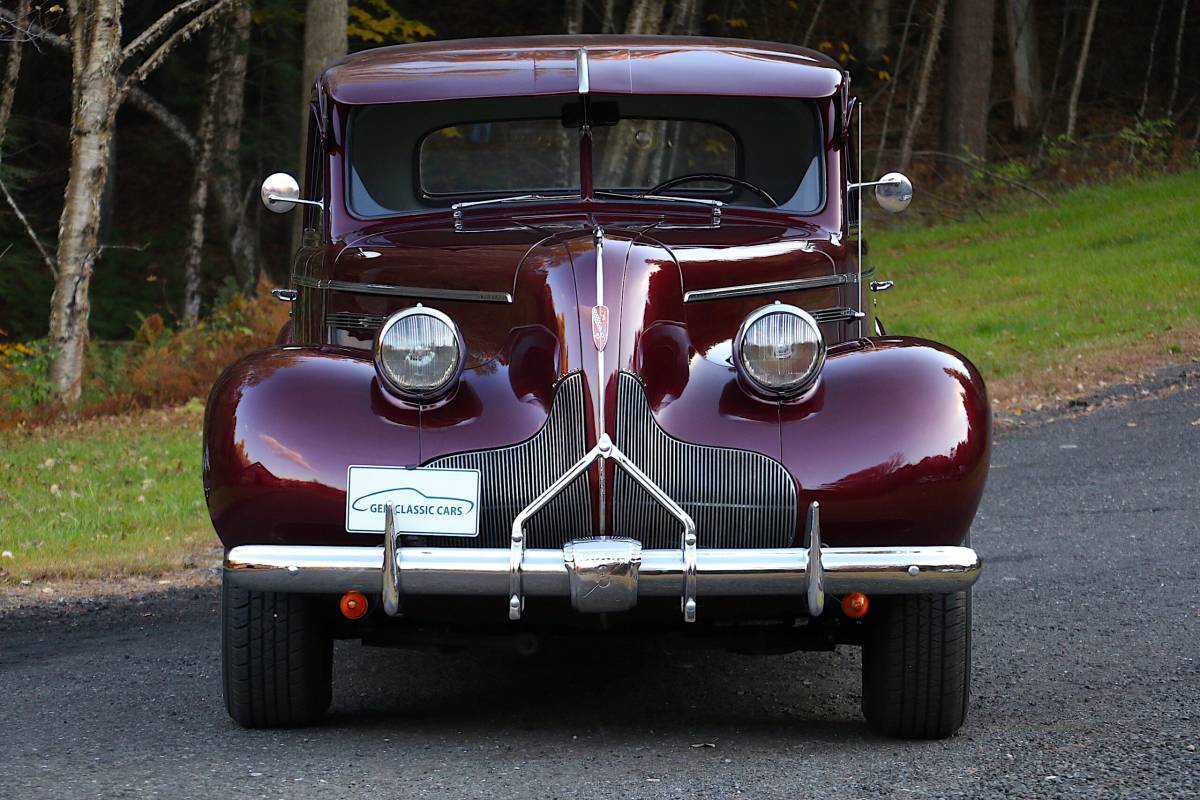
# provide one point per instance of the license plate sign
(433, 502)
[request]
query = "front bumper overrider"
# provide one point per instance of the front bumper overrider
(605, 573)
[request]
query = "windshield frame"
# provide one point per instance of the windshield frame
(821, 153)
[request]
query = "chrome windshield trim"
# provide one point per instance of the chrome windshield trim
(748, 289)
(404, 291)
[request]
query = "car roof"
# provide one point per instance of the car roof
(536, 65)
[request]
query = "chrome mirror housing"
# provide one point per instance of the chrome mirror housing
(281, 193)
(893, 192)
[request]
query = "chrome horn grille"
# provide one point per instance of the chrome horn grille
(738, 498)
(511, 477)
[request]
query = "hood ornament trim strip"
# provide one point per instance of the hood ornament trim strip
(746, 290)
(470, 295)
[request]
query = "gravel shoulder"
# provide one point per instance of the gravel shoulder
(1087, 640)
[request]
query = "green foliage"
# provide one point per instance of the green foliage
(376, 22)
(1107, 268)
(1149, 142)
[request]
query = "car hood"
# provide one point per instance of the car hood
(545, 289)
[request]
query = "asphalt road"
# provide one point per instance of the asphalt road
(1086, 683)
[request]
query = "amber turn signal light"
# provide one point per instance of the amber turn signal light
(353, 605)
(855, 605)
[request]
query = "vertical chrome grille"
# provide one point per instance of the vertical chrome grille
(511, 477)
(736, 497)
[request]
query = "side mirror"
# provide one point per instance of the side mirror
(280, 192)
(894, 192)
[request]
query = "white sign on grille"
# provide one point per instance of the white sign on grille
(440, 502)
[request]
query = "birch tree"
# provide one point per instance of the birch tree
(1021, 23)
(918, 109)
(1077, 84)
(217, 169)
(102, 75)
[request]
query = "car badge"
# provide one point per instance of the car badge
(600, 326)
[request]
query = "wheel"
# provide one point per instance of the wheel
(277, 657)
(916, 665)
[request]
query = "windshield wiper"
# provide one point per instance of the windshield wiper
(714, 205)
(457, 208)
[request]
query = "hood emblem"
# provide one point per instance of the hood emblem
(600, 326)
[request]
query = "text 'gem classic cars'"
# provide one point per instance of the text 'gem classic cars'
(583, 343)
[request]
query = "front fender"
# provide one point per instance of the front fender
(282, 426)
(893, 443)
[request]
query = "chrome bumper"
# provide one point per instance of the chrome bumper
(719, 573)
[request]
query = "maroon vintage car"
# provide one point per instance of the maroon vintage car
(581, 344)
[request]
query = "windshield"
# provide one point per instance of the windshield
(417, 156)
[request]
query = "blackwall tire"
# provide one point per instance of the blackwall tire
(277, 659)
(916, 674)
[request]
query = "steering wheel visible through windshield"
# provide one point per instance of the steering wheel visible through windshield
(759, 152)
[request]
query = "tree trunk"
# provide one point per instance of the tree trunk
(812, 25)
(97, 91)
(876, 29)
(645, 17)
(1023, 47)
(968, 80)
(1073, 103)
(1162, 4)
(324, 42)
(918, 109)
(887, 110)
(241, 235)
(573, 16)
(608, 20)
(12, 67)
(1178, 58)
(198, 199)
(95, 58)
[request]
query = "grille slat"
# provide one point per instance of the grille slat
(737, 498)
(512, 477)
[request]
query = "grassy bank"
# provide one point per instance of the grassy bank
(104, 497)
(1044, 299)
(1110, 272)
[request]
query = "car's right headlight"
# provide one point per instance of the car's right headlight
(419, 354)
(779, 349)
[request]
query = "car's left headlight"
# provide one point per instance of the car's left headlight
(419, 353)
(779, 349)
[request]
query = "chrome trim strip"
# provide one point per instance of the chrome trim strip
(391, 563)
(824, 315)
(581, 69)
(485, 571)
(816, 571)
(598, 238)
(724, 292)
(403, 291)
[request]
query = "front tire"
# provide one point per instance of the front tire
(916, 672)
(277, 657)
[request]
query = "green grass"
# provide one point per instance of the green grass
(106, 497)
(1025, 290)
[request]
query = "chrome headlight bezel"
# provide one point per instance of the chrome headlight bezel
(793, 388)
(419, 395)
